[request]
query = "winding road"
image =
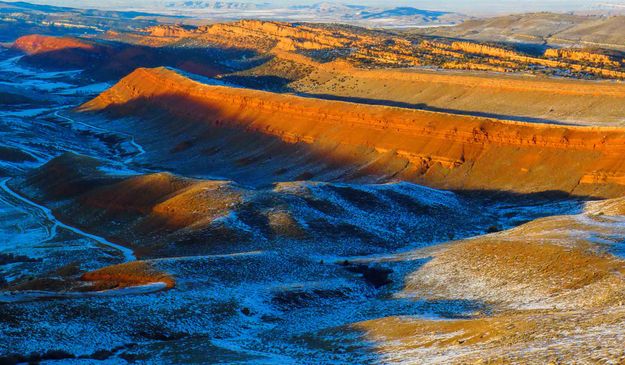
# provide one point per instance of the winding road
(31, 295)
(129, 151)
(125, 252)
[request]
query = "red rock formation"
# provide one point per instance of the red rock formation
(438, 149)
(37, 44)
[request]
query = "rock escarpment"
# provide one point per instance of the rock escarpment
(437, 149)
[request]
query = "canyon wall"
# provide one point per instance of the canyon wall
(437, 149)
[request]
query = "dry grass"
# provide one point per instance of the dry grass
(198, 204)
(528, 337)
(556, 298)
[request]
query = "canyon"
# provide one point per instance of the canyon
(257, 191)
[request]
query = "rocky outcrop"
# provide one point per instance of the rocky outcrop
(170, 31)
(582, 56)
(437, 149)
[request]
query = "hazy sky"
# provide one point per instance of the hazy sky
(464, 6)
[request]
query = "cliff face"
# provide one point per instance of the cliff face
(437, 149)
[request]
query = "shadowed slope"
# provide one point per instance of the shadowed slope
(436, 149)
(108, 60)
(162, 214)
(142, 208)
